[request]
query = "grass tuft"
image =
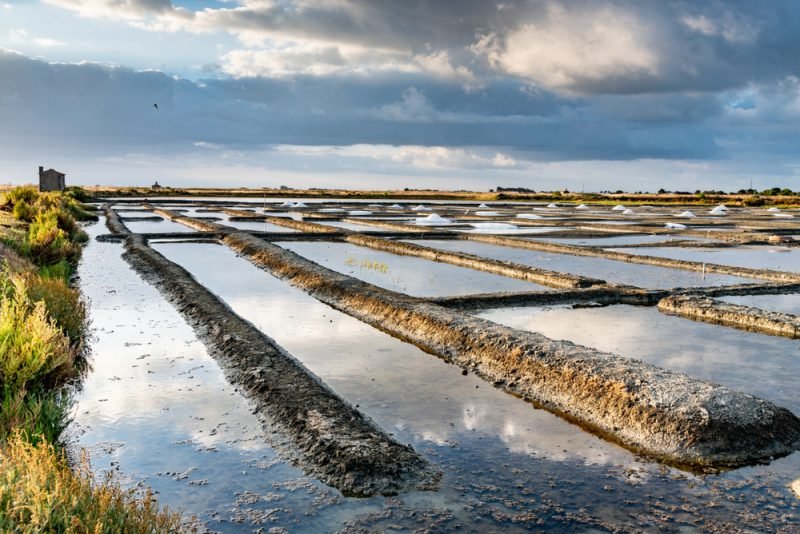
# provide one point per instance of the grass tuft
(40, 493)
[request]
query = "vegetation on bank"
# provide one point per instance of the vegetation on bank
(743, 197)
(43, 324)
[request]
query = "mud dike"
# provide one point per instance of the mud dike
(664, 414)
(305, 420)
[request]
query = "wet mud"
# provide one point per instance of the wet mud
(304, 419)
(661, 413)
(728, 314)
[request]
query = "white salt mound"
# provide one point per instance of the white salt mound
(675, 226)
(582, 207)
(482, 206)
(493, 226)
(421, 207)
(628, 212)
(552, 205)
(687, 215)
(434, 219)
(618, 207)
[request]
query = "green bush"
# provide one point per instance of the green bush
(34, 352)
(40, 493)
(47, 243)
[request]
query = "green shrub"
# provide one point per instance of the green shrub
(23, 211)
(41, 415)
(34, 353)
(40, 493)
(47, 243)
(63, 304)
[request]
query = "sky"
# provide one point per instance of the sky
(587, 95)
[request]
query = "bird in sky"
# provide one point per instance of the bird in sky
(155, 106)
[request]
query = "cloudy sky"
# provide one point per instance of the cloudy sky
(468, 94)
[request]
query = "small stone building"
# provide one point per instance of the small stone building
(51, 180)
(156, 187)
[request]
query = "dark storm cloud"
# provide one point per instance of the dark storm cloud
(577, 46)
(106, 109)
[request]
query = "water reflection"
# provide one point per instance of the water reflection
(406, 274)
(395, 383)
(755, 257)
(765, 366)
(778, 303)
(617, 272)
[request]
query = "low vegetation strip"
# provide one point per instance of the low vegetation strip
(41, 492)
(43, 326)
(558, 248)
(734, 315)
(665, 414)
(327, 437)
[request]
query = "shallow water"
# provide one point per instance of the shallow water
(355, 226)
(257, 226)
(622, 240)
(405, 274)
(154, 227)
(609, 270)
(765, 366)
(754, 257)
(778, 303)
(156, 409)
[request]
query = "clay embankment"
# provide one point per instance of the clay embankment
(724, 313)
(658, 412)
(586, 297)
(558, 248)
(307, 421)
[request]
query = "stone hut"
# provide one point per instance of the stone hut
(156, 186)
(51, 180)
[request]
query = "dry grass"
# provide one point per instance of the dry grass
(40, 493)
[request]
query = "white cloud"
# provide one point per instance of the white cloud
(21, 35)
(290, 58)
(571, 46)
(414, 156)
(731, 26)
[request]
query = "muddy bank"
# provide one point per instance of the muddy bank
(665, 414)
(765, 274)
(305, 420)
(504, 268)
(734, 315)
(592, 296)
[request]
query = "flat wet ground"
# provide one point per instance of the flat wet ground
(755, 257)
(406, 274)
(779, 303)
(616, 272)
(157, 409)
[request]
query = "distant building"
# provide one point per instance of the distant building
(156, 186)
(51, 180)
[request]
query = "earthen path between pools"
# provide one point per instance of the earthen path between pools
(665, 414)
(305, 421)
